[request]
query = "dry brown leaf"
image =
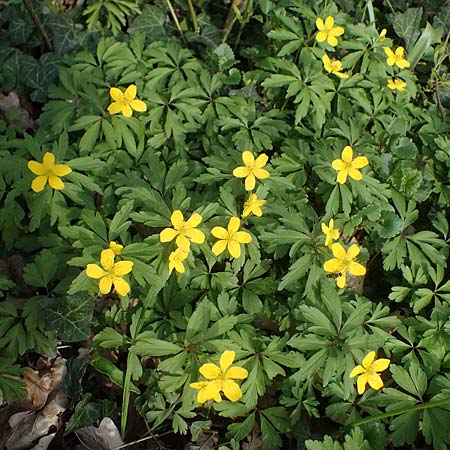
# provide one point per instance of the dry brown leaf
(105, 437)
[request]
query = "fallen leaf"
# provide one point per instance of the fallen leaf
(105, 437)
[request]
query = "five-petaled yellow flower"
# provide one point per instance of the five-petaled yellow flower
(230, 238)
(176, 259)
(125, 102)
(397, 58)
(348, 167)
(183, 231)
(253, 205)
(334, 66)
(116, 248)
(111, 274)
(327, 31)
(48, 171)
(397, 84)
(221, 379)
(344, 261)
(253, 169)
(368, 372)
(330, 233)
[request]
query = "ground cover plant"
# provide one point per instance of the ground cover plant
(224, 224)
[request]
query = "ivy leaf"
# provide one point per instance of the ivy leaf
(39, 75)
(70, 316)
(86, 413)
(407, 25)
(151, 22)
(63, 33)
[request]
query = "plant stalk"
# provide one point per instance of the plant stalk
(193, 16)
(175, 19)
(38, 24)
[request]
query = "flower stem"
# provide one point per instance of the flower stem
(175, 19)
(193, 16)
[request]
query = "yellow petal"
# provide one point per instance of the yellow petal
(127, 111)
(39, 183)
(261, 160)
(338, 164)
(347, 154)
(389, 52)
(210, 392)
(231, 390)
(333, 265)
(219, 233)
(250, 182)
(355, 174)
(329, 22)
(177, 219)
(115, 108)
(197, 236)
(36, 168)
(326, 62)
(234, 249)
(116, 94)
(121, 286)
(243, 237)
(262, 174)
(380, 364)
(358, 370)
(194, 220)
(360, 162)
(332, 40)
(338, 31)
(248, 158)
(342, 176)
(241, 172)
(368, 360)
(210, 371)
(167, 234)
(183, 243)
(219, 247)
(199, 384)
(55, 182)
(61, 169)
(319, 24)
(234, 224)
(121, 268)
(94, 271)
(375, 381)
(105, 285)
(49, 160)
(138, 105)
(107, 259)
(236, 373)
(341, 280)
(392, 85)
(400, 52)
(321, 36)
(179, 267)
(130, 92)
(338, 251)
(226, 359)
(356, 269)
(362, 381)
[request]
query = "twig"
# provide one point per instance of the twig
(153, 436)
(193, 16)
(175, 19)
(38, 24)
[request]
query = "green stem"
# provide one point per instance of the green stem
(175, 19)
(230, 20)
(125, 398)
(370, 11)
(193, 16)
(421, 407)
(38, 24)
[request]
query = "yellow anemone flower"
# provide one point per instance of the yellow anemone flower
(221, 379)
(252, 169)
(368, 372)
(397, 84)
(116, 248)
(110, 273)
(330, 233)
(253, 205)
(48, 171)
(125, 102)
(183, 231)
(348, 167)
(230, 238)
(334, 66)
(397, 58)
(342, 262)
(176, 259)
(327, 31)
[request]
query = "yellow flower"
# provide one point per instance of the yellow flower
(397, 58)
(397, 84)
(253, 205)
(183, 231)
(176, 259)
(368, 372)
(252, 169)
(382, 35)
(327, 31)
(221, 379)
(231, 238)
(334, 66)
(111, 274)
(116, 248)
(342, 262)
(330, 233)
(125, 102)
(48, 171)
(347, 166)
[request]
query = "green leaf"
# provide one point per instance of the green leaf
(150, 346)
(413, 381)
(69, 316)
(63, 33)
(41, 271)
(198, 427)
(151, 22)
(85, 414)
(76, 368)
(407, 25)
(109, 338)
(435, 428)
(119, 223)
(10, 384)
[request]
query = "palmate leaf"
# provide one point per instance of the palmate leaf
(10, 385)
(69, 316)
